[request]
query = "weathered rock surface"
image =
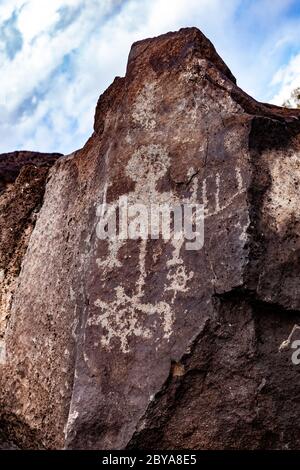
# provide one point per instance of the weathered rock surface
(143, 344)
(22, 184)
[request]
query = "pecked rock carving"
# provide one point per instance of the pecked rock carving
(122, 343)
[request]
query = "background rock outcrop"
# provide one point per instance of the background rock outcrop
(23, 178)
(141, 343)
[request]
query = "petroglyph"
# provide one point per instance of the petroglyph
(241, 188)
(89, 344)
(144, 108)
(179, 279)
(123, 317)
(286, 343)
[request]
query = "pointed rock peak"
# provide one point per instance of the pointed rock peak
(149, 59)
(173, 49)
(174, 54)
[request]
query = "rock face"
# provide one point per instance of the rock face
(141, 343)
(22, 184)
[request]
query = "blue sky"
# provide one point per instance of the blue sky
(57, 56)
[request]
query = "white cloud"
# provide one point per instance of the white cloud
(7, 7)
(37, 16)
(288, 79)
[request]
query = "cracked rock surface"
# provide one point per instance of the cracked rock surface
(141, 343)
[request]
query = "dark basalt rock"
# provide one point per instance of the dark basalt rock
(143, 344)
(23, 178)
(12, 163)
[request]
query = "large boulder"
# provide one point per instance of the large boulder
(114, 344)
(23, 178)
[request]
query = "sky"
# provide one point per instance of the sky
(58, 56)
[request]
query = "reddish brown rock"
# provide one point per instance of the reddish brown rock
(22, 183)
(12, 163)
(143, 343)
